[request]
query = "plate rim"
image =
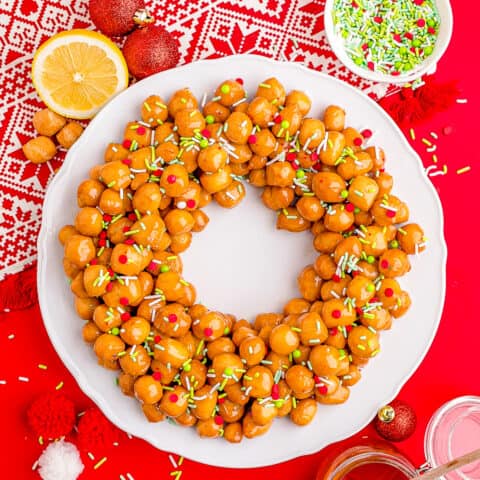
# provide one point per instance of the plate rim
(98, 399)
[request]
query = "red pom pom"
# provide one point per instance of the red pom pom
(396, 421)
(149, 50)
(95, 431)
(413, 106)
(52, 415)
(114, 17)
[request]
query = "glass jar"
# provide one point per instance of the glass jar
(370, 460)
(453, 431)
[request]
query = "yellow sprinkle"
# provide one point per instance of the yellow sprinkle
(40, 440)
(463, 170)
(59, 386)
(179, 474)
(147, 107)
(445, 169)
(427, 142)
(434, 158)
(180, 460)
(100, 463)
(175, 472)
(412, 134)
(42, 367)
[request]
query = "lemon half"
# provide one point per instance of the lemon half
(76, 72)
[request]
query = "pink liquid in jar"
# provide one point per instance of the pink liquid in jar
(454, 431)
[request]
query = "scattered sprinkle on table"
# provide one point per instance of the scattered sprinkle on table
(100, 463)
(11, 336)
(24, 379)
(59, 386)
(464, 170)
(388, 36)
(462, 100)
(3, 382)
(41, 366)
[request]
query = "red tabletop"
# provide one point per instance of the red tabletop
(449, 370)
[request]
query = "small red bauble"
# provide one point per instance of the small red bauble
(149, 50)
(114, 17)
(95, 431)
(396, 421)
(52, 415)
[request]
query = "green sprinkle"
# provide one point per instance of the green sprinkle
(164, 268)
(370, 259)
(344, 194)
(209, 119)
(297, 354)
(225, 88)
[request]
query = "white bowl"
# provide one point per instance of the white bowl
(428, 66)
(226, 243)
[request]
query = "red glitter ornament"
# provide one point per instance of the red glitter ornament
(149, 50)
(114, 17)
(52, 415)
(95, 431)
(396, 421)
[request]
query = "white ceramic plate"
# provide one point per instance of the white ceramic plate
(241, 264)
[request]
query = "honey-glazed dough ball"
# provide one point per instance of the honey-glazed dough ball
(333, 148)
(230, 92)
(238, 127)
(231, 196)
(328, 186)
(258, 381)
(394, 263)
(325, 360)
(283, 340)
(310, 208)
(69, 134)
(261, 111)
(215, 182)
(272, 90)
(171, 351)
(304, 412)
(79, 250)
(309, 284)
(136, 361)
(89, 192)
(175, 402)
(300, 380)
(289, 219)
(334, 118)
(233, 432)
(181, 100)
(313, 329)
(263, 413)
(363, 342)
(148, 390)
(411, 238)
(252, 350)
(174, 180)
(300, 99)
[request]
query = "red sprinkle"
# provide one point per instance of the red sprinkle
(157, 338)
(107, 218)
(378, 19)
(355, 273)
(277, 118)
(125, 229)
(365, 46)
(191, 203)
(384, 263)
(123, 301)
(171, 179)
(206, 133)
(152, 266)
(221, 400)
(421, 22)
(218, 420)
(348, 328)
(333, 331)
(125, 316)
(397, 37)
(358, 141)
(371, 65)
(129, 241)
(354, 4)
(252, 139)
(374, 300)
(431, 30)
(132, 216)
(103, 234)
(408, 35)
(158, 173)
(291, 156)
(173, 398)
(126, 161)
(208, 332)
(336, 278)
(157, 376)
(359, 310)
(141, 130)
(418, 2)
(389, 292)
(395, 74)
(448, 130)
(94, 261)
(109, 287)
(390, 213)
(123, 259)
(336, 314)
(367, 133)
(349, 207)
(323, 389)
(314, 156)
(318, 167)
(111, 272)
(172, 318)
(102, 242)
(127, 143)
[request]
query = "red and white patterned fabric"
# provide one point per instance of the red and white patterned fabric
(283, 29)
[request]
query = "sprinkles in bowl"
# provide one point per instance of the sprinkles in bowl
(391, 37)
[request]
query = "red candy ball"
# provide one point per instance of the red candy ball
(52, 415)
(396, 421)
(114, 17)
(149, 50)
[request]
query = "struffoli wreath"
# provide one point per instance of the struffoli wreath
(138, 211)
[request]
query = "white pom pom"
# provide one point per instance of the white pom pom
(60, 460)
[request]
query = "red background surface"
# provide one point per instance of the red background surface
(449, 370)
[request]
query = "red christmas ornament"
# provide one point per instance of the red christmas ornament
(396, 422)
(95, 431)
(52, 415)
(114, 17)
(149, 50)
